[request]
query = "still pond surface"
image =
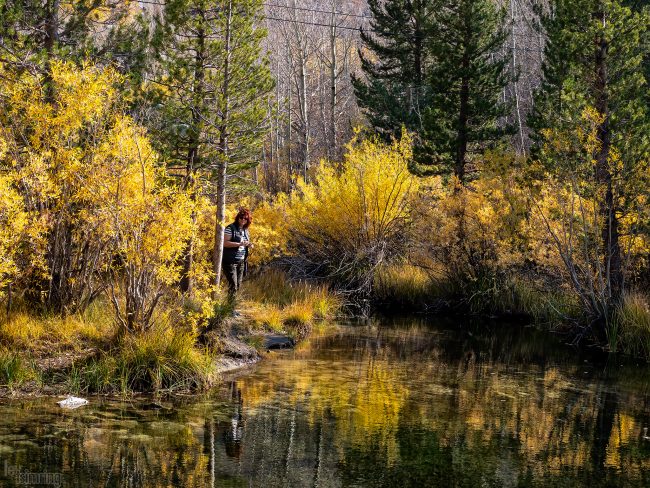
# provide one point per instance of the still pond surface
(390, 405)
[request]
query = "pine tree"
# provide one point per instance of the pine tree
(465, 80)
(594, 62)
(213, 83)
(35, 31)
(395, 64)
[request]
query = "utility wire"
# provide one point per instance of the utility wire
(336, 12)
(296, 21)
(319, 24)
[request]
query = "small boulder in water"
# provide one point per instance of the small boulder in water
(274, 341)
(72, 402)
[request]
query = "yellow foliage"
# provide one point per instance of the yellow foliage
(475, 231)
(94, 194)
(269, 230)
(365, 201)
(149, 223)
(13, 221)
(567, 220)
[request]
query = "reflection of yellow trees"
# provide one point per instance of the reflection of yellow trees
(370, 395)
(159, 452)
(625, 428)
(365, 399)
(550, 414)
(543, 412)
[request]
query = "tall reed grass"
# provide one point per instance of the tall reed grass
(411, 288)
(273, 301)
(630, 328)
(15, 369)
(162, 358)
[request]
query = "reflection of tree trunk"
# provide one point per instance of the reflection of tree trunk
(290, 445)
(212, 457)
(319, 453)
(607, 408)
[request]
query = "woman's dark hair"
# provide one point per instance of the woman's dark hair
(245, 213)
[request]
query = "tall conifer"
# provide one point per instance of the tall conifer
(213, 80)
(466, 79)
(395, 64)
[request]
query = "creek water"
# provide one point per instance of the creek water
(381, 404)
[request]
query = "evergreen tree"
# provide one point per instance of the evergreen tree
(465, 80)
(213, 82)
(33, 31)
(594, 62)
(395, 64)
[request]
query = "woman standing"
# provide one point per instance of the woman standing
(236, 242)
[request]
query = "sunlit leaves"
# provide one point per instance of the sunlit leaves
(85, 186)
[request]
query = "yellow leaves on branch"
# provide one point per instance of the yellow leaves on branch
(477, 227)
(13, 220)
(364, 201)
(147, 222)
(568, 208)
(73, 158)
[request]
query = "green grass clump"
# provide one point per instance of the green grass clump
(280, 305)
(160, 359)
(542, 302)
(403, 285)
(631, 325)
(16, 370)
(31, 331)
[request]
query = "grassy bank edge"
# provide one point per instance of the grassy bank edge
(537, 300)
(83, 355)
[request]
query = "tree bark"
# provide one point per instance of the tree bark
(610, 238)
(222, 164)
(186, 282)
(333, 67)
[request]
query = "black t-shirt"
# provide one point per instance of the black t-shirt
(235, 234)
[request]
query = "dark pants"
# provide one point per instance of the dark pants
(234, 273)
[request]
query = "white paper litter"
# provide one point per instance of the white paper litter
(73, 402)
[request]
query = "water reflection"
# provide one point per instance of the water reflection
(402, 405)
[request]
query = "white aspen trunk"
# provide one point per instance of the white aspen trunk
(222, 164)
(289, 117)
(302, 94)
(277, 125)
(333, 91)
(514, 69)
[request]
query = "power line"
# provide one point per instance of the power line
(336, 12)
(319, 24)
(311, 23)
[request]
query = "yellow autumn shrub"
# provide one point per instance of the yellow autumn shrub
(471, 234)
(567, 221)
(269, 230)
(53, 129)
(350, 218)
(13, 220)
(100, 209)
